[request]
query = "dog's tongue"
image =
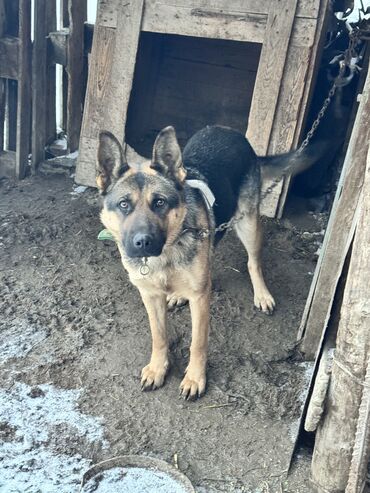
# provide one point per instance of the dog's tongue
(105, 235)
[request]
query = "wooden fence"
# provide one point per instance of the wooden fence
(28, 78)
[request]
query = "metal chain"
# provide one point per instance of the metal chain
(339, 81)
(276, 181)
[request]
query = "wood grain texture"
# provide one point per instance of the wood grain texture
(7, 164)
(335, 436)
(270, 74)
(11, 114)
(24, 89)
(9, 48)
(305, 8)
(39, 83)
(339, 232)
(2, 112)
(50, 78)
(75, 70)
(110, 82)
(206, 23)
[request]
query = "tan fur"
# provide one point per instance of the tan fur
(249, 231)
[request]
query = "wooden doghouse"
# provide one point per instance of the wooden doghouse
(244, 63)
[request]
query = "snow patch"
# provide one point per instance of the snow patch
(30, 461)
(132, 480)
(19, 339)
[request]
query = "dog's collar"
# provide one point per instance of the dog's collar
(204, 189)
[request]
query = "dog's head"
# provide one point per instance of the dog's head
(143, 204)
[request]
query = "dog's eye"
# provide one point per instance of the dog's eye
(123, 205)
(159, 202)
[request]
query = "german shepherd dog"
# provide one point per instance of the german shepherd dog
(164, 228)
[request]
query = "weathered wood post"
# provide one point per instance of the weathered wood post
(335, 436)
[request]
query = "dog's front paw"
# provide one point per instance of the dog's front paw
(265, 302)
(174, 301)
(193, 385)
(152, 376)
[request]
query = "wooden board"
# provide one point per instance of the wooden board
(305, 8)
(75, 70)
(39, 87)
(7, 164)
(11, 114)
(50, 79)
(339, 232)
(24, 89)
(218, 23)
(9, 47)
(269, 74)
(335, 436)
(313, 55)
(110, 80)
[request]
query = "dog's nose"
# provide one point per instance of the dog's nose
(142, 241)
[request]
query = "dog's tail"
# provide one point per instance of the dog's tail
(291, 163)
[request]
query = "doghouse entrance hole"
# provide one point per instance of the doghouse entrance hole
(189, 82)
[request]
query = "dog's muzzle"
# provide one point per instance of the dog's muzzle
(144, 245)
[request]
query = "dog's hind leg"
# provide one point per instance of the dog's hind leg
(153, 375)
(249, 231)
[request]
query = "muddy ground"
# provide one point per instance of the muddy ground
(90, 332)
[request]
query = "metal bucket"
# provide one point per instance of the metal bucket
(134, 473)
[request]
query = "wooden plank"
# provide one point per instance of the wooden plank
(110, 82)
(206, 23)
(308, 87)
(9, 47)
(2, 112)
(335, 437)
(24, 89)
(218, 24)
(7, 164)
(269, 75)
(305, 8)
(57, 42)
(75, 71)
(2, 81)
(339, 232)
(39, 85)
(11, 114)
(2, 18)
(50, 122)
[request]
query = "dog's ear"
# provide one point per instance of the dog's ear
(167, 157)
(111, 163)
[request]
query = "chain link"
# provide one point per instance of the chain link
(339, 81)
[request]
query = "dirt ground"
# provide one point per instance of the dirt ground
(69, 290)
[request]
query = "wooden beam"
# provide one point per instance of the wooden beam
(110, 80)
(50, 123)
(339, 232)
(2, 81)
(7, 164)
(75, 70)
(2, 112)
(39, 83)
(9, 47)
(11, 114)
(24, 89)
(335, 436)
(300, 115)
(57, 46)
(270, 74)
